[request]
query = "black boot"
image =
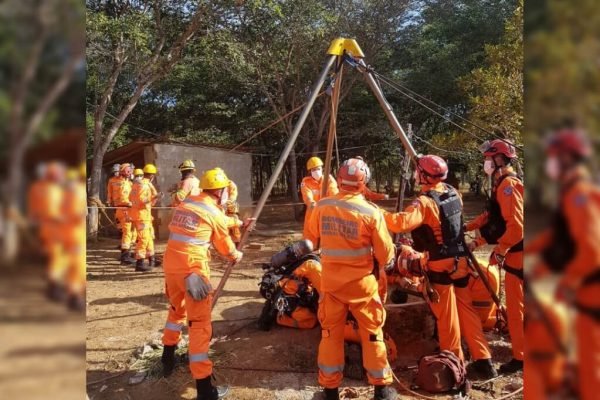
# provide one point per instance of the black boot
(168, 360)
(151, 262)
(511, 367)
(126, 258)
(385, 393)
(141, 266)
(482, 369)
(76, 303)
(206, 391)
(56, 292)
(331, 394)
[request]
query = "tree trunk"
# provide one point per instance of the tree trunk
(94, 193)
(13, 189)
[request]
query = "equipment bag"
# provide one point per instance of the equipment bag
(442, 372)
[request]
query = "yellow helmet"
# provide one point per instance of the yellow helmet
(214, 179)
(138, 172)
(72, 174)
(187, 165)
(314, 162)
(149, 169)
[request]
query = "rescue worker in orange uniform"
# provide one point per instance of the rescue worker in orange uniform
(231, 208)
(112, 188)
(121, 199)
(143, 196)
(435, 221)
(74, 211)
(45, 208)
(311, 187)
(570, 247)
(197, 223)
(502, 225)
(351, 234)
(189, 184)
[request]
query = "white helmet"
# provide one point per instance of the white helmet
(116, 168)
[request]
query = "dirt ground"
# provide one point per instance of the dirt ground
(43, 344)
(127, 310)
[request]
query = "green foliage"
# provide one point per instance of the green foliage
(496, 90)
(257, 59)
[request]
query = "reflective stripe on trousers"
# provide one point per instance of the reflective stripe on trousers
(331, 369)
(379, 373)
(174, 327)
(188, 239)
(198, 357)
(363, 251)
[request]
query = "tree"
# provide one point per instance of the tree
(496, 90)
(43, 47)
(131, 46)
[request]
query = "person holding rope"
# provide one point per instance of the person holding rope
(311, 187)
(197, 223)
(351, 234)
(502, 224)
(435, 220)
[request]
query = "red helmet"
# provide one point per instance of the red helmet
(354, 174)
(498, 146)
(572, 141)
(433, 167)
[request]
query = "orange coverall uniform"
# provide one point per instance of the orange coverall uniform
(580, 206)
(454, 313)
(45, 201)
(302, 317)
(351, 234)
(128, 234)
(197, 222)
(231, 209)
(74, 211)
(112, 190)
(186, 187)
(311, 194)
(509, 195)
(143, 196)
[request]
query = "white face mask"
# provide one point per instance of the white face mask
(416, 176)
(552, 168)
(489, 167)
(224, 197)
(317, 173)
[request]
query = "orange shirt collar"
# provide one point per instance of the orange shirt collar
(438, 187)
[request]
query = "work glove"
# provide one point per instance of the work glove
(197, 286)
(249, 224)
(312, 205)
(390, 267)
(237, 256)
(410, 261)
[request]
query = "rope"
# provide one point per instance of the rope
(272, 124)
(400, 89)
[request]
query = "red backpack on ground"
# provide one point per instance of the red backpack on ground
(442, 372)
